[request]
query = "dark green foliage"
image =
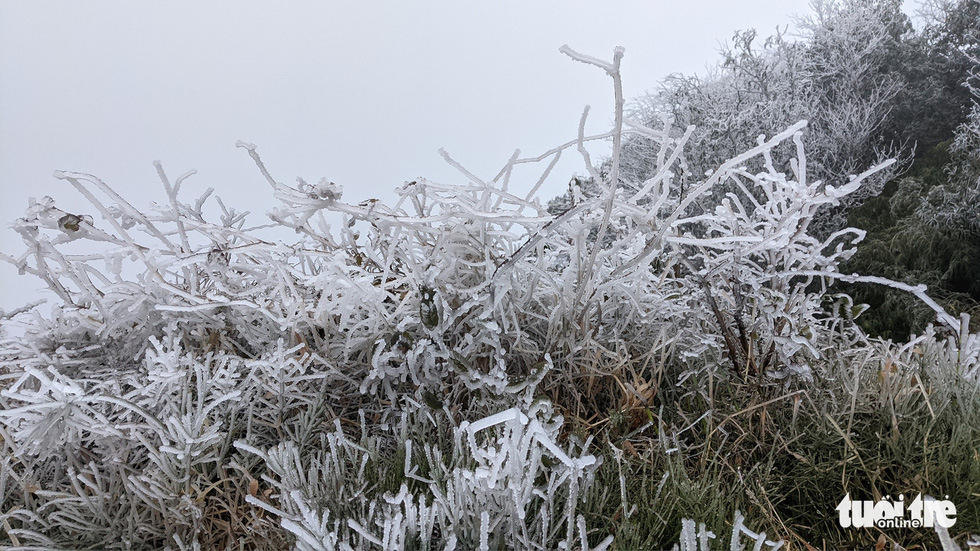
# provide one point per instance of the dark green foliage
(901, 246)
(428, 311)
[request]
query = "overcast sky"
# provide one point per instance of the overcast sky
(364, 93)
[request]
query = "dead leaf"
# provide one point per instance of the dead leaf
(628, 448)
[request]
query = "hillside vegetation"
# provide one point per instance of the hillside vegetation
(699, 345)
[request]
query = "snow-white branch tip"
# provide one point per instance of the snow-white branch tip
(246, 145)
(610, 68)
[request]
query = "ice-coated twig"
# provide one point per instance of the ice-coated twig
(919, 291)
(254, 154)
(609, 68)
(613, 71)
(75, 179)
(462, 170)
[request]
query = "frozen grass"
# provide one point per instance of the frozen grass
(780, 453)
(465, 370)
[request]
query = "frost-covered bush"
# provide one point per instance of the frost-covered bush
(953, 205)
(405, 380)
(871, 85)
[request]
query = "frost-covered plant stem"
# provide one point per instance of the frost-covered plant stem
(613, 70)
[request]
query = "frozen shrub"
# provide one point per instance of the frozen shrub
(405, 380)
